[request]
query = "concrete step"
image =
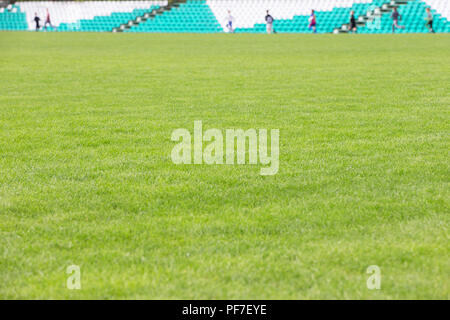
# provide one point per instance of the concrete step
(148, 15)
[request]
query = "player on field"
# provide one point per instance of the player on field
(47, 21)
(269, 22)
(36, 20)
(312, 21)
(395, 18)
(230, 20)
(429, 19)
(352, 22)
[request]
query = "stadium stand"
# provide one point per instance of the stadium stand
(290, 15)
(441, 6)
(88, 15)
(105, 23)
(192, 16)
(12, 18)
(208, 16)
(330, 14)
(413, 18)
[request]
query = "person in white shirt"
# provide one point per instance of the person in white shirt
(230, 22)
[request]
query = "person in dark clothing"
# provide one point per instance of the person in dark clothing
(352, 21)
(429, 19)
(395, 18)
(36, 20)
(269, 22)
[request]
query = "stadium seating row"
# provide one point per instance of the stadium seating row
(327, 20)
(413, 19)
(87, 15)
(247, 14)
(192, 16)
(105, 23)
(209, 16)
(13, 19)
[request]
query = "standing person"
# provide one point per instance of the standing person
(429, 19)
(352, 21)
(36, 20)
(312, 21)
(269, 23)
(230, 20)
(395, 18)
(47, 21)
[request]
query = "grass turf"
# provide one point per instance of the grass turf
(87, 179)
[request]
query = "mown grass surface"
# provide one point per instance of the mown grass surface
(87, 179)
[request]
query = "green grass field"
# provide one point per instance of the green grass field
(87, 178)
